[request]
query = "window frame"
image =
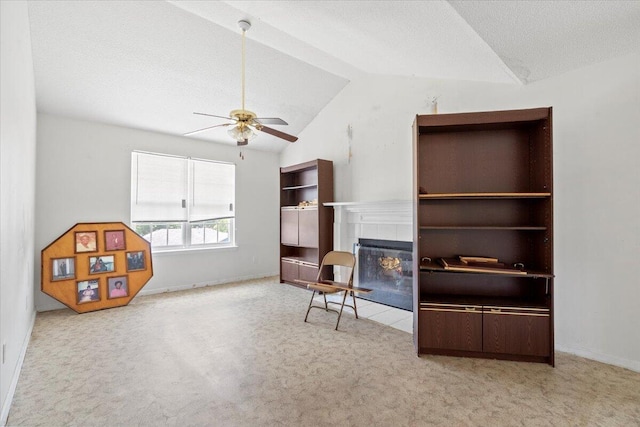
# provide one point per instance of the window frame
(186, 226)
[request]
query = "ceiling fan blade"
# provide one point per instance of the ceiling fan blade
(270, 121)
(213, 115)
(279, 134)
(207, 128)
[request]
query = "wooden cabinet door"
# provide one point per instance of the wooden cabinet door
(289, 226)
(308, 272)
(289, 270)
(511, 331)
(450, 327)
(308, 227)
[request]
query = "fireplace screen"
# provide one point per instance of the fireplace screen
(386, 267)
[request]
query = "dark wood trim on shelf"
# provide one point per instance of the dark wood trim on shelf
(312, 164)
(484, 301)
(485, 355)
(499, 118)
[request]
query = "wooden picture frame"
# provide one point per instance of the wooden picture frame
(117, 287)
(66, 284)
(114, 240)
(86, 241)
(136, 261)
(63, 269)
(88, 291)
(102, 264)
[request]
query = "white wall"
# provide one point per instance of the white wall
(597, 209)
(84, 175)
(17, 194)
(596, 180)
(378, 111)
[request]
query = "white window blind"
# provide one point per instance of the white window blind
(158, 188)
(177, 189)
(213, 188)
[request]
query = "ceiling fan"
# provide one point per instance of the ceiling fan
(245, 122)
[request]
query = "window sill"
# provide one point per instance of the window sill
(174, 251)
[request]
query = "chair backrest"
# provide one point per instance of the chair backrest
(338, 258)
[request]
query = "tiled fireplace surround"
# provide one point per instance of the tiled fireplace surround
(389, 220)
(386, 220)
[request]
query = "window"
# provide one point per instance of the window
(179, 202)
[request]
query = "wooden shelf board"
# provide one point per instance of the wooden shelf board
(298, 246)
(435, 196)
(437, 268)
(299, 260)
(471, 227)
(296, 207)
(298, 187)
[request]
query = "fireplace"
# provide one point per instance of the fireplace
(389, 222)
(386, 267)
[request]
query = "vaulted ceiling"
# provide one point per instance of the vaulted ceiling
(151, 64)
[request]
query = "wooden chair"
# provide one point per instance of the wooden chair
(324, 287)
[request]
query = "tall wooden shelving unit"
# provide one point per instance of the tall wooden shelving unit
(306, 225)
(483, 187)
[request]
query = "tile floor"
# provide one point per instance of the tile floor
(390, 316)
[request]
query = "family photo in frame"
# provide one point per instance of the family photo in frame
(114, 240)
(118, 287)
(136, 261)
(96, 266)
(63, 268)
(101, 264)
(86, 241)
(88, 291)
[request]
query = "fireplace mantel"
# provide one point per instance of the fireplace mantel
(391, 211)
(384, 220)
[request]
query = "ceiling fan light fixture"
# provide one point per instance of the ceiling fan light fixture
(241, 133)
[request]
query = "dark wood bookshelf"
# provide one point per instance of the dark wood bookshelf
(306, 225)
(483, 187)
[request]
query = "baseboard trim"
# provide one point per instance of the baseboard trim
(599, 357)
(204, 284)
(54, 305)
(6, 405)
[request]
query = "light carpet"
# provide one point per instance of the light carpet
(241, 355)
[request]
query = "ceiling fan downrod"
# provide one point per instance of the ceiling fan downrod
(244, 26)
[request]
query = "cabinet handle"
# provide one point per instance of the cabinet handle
(469, 309)
(496, 310)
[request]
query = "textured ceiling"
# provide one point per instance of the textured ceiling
(540, 39)
(151, 64)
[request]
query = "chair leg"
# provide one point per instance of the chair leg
(355, 309)
(326, 306)
(341, 308)
(310, 302)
